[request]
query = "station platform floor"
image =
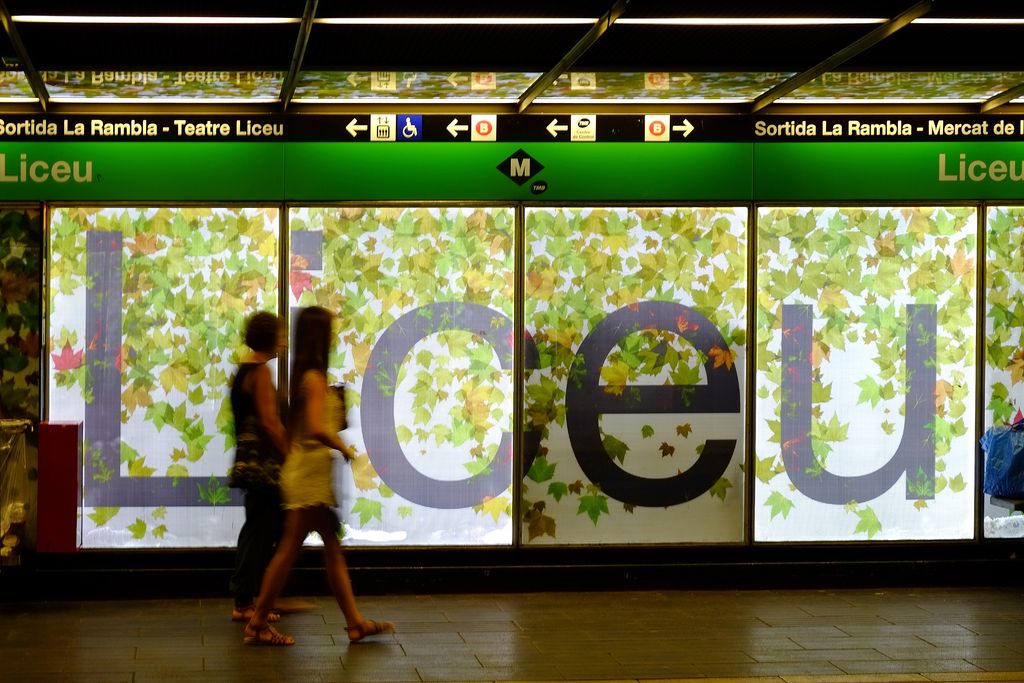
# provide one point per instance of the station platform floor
(793, 636)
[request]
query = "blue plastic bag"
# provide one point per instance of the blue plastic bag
(1004, 461)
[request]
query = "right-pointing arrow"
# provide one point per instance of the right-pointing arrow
(686, 128)
(553, 127)
(354, 127)
(454, 127)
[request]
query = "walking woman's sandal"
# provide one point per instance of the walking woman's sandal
(266, 635)
(369, 628)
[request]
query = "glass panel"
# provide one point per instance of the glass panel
(1004, 343)
(21, 271)
(21, 268)
(662, 86)
(961, 86)
(424, 298)
(164, 85)
(147, 308)
(865, 374)
(412, 85)
(634, 385)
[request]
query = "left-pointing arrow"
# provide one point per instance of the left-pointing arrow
(354, 127)
(553, 127)
(454, 127)
(355, 79)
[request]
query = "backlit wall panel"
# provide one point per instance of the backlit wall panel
(635, 357)
(865, 373)
(147, 310)
(1004, 345)
(425, 343)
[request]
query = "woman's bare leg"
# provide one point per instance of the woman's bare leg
(341, 585)
(337, 573)
(296, 527)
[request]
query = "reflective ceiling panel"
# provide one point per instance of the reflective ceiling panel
(401, 86)
(661, 52)
(906, 86)
(661, 86)
(166, 86)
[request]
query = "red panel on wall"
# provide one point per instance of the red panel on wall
(60, 486)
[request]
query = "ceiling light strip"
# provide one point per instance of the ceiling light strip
(164, 99)
(454, 21)
(102, 19)
(877, 100)
(402, 101)
(750, 21)
(970, 20)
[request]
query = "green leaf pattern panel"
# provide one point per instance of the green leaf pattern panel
(190, 277)
(861, 271)
(583, 265)
(21, 272)
(20, 313)
(1004, 344)
(451, 394)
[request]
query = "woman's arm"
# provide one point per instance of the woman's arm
(266, 409)
(315, 387)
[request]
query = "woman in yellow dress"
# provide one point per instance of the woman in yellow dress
(307, 486)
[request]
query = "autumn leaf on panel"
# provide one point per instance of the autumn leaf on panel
(363, 473)
(537, 523)
(960, 265)
(1016, 367)
(721, 357)
(779, 504)
(593, 505)
(494, 507)
(67, 359)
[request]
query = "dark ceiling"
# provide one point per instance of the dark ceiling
(615, 45)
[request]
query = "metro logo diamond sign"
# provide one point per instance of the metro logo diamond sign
(520, 167)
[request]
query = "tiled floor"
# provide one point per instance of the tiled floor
(945, 634)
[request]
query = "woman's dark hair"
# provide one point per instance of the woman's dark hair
(310, 350)
(261, 332)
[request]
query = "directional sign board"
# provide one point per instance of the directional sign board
(515, 128)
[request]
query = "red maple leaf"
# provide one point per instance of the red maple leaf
(66, 359)
(300, 282)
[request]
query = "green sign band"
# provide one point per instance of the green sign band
(606, 172)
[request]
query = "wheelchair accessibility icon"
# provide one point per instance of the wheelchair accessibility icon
(410, 127)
